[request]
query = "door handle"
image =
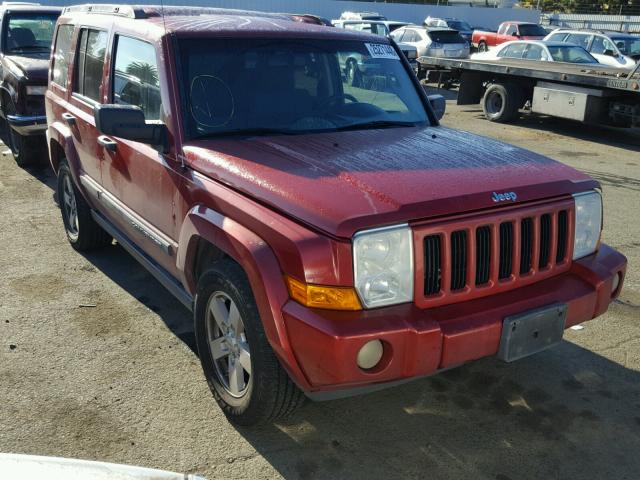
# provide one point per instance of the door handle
(70, 119)
(107, 143)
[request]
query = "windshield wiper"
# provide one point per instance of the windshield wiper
(375, 124)
(249, 132)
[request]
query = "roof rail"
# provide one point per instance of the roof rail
(128, 11)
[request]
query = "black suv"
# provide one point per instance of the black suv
(25, 45)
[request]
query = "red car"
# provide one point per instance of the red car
(507, 31)
(330, 239)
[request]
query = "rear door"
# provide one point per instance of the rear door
(140, 180)
(91, 48)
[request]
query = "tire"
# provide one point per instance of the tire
(262, 390)
(82, 231)
(482, 47)
(501, 102)
(26, 150)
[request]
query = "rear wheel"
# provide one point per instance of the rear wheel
(243, 373)
(482, 47)
(82, 231)
(501, 102)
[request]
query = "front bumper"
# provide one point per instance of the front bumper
(28, 124)
(421, 342)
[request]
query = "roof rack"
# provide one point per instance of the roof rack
(149, 11)
(128, 11)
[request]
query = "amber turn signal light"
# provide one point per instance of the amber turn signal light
(321, 296)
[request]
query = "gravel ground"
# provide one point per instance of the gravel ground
(96, 362)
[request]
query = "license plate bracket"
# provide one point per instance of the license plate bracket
(531, 332)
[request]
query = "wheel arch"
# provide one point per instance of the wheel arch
(208, 236)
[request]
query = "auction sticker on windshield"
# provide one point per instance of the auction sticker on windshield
(382, 50)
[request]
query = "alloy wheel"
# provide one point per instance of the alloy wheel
(70, 207)
(228, 344)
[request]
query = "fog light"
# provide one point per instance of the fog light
(370, 354)
(615, 284)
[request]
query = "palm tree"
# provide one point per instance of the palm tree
(146, 72)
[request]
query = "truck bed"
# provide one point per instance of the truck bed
(599, 76)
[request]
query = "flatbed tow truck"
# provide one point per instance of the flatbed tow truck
(585, 93)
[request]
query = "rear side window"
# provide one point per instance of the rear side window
(90, 63)
(62, 55)
(557, 37)
(515, 50)
(135, 76)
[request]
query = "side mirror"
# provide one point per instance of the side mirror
(609, 53)
(438, 104)
(128, 122)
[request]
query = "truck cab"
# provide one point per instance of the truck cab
(330, 239)
(507, 31)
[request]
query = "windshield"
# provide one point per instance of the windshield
(532, 31)
(627, 46)
(571, 54)
(460, 26)
(263, 87)
(29, 32)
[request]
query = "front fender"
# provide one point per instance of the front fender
(257, 259)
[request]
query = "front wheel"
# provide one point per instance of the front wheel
(26, 150)
(242, 371)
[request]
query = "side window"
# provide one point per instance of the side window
(502, 29)
(578, 39)
(62, 55)
(557, 37)
(511, 30)
(135, 76)
(513, 51)
(534, 52)
(408, 36)
(90, 63)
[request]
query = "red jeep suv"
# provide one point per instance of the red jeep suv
(330, 239)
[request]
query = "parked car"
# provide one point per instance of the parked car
(462, 27)
(354, 64)
(329, 239)
(507, 31)
(393, 25)
(33, 467)
(610, 48)
(26, 31)
(539, 50)
(362, 16)
(313, 19)
(433, 42)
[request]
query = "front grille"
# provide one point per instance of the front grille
(483, 254)
(476, 256)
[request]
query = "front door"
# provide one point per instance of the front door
(141, 180)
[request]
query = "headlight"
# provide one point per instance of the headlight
(383, 266)
(36, 89)
(588, 223)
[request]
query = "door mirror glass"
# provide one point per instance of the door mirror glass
(438, 104)
(128, 122)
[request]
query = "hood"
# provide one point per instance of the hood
(347, 181)
(33, 66)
